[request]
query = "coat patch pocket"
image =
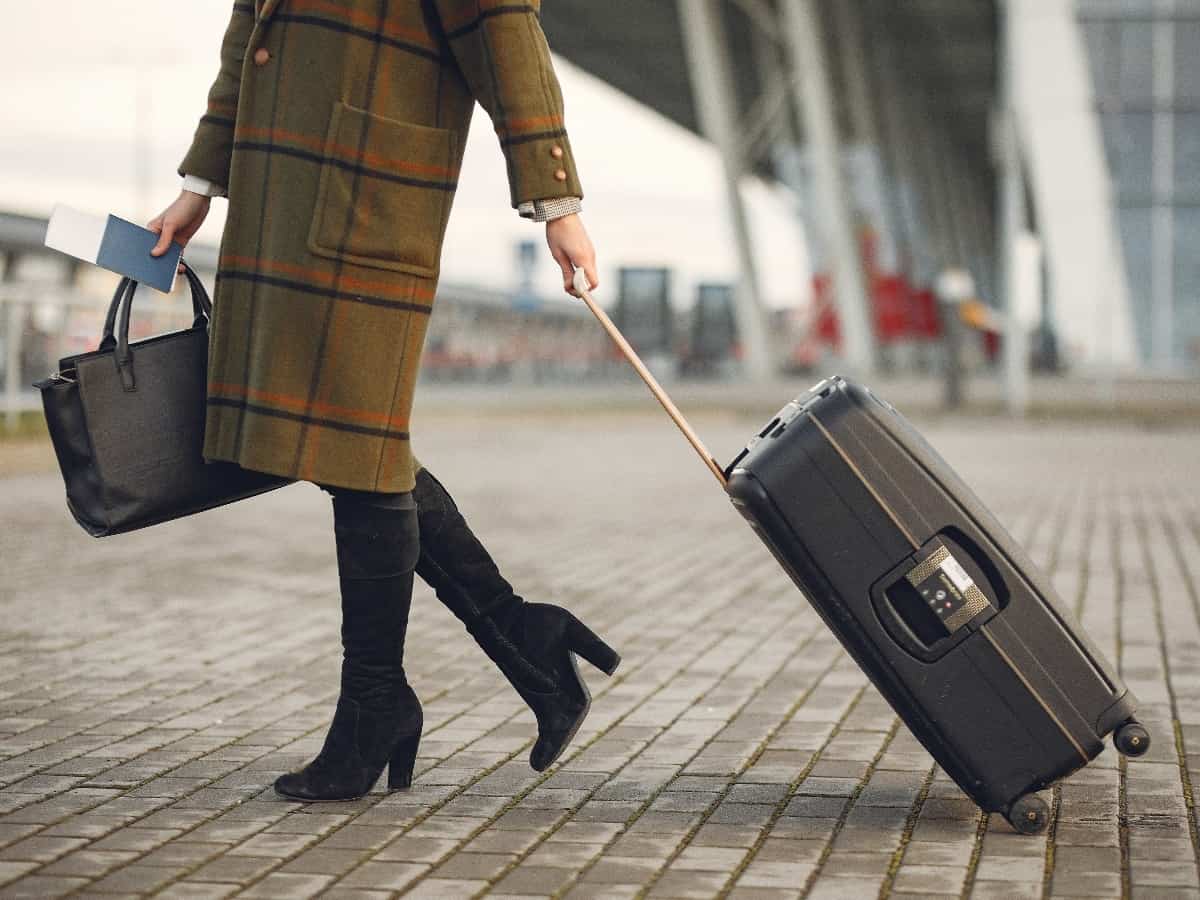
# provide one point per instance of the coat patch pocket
(383, 197)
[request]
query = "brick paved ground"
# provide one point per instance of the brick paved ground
(153, 685)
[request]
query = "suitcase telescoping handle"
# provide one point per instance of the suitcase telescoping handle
(581, 285)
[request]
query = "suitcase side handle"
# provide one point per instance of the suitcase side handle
(582, 286)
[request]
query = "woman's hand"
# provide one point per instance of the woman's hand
(179, 221)
(572, 248)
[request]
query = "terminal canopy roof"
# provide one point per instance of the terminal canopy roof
(943, 49)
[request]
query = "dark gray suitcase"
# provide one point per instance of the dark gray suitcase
(929, 594)
(932, 597)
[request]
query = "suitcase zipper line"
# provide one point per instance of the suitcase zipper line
(916, 546)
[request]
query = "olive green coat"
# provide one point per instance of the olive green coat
(338, 128)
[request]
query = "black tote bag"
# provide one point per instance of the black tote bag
(127, 424)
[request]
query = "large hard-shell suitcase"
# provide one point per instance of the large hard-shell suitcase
(927, 591)
(932, 597)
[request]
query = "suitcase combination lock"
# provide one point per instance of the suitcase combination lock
(927, 602)
(947, 589)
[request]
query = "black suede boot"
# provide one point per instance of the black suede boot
(378, 718)
(533, 644)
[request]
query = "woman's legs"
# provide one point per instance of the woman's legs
(378, 717)
(531, 643)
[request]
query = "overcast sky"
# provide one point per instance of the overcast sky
(101, 100)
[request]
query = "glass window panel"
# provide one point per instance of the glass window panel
(1135, 240)
(1098, 35)
(1133, 155)
(1137, 61)
(1187, 60)
(1186, 329)
(1187, 154)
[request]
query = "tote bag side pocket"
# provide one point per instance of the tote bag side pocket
(69, 434)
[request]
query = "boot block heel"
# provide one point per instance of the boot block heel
(402, 762)
(585, 642)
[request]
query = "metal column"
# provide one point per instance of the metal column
(1013, 218)
(911, 216)
(14, 326)
(806, 47)
(712, 82)
(861, 102)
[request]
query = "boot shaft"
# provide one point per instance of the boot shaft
(378, 543)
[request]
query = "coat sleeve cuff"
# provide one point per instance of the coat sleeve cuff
(541, 166)
(211, 151)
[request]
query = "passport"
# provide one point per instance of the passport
(115, 244)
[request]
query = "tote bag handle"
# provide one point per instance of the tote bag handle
(120, 312)
(201, 305)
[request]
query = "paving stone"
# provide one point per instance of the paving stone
(586, 832)
(929, 879)
(563, 855)
(774, 875)
(135, 879)
(235, 869)
(709, 859)
(1007, 890)
(645, 846)
(317, 861)
(442, 888)
(285, 885)
(539, 880)
(1164, 873)
(683, 801)
(414, 849)
(275, 845)
(856, 863)
(387, 876)
(182, 853)
(586, 891)
(622, 870)
(40, 849)
(676, 883)
(503, 841)
(845, 888)
(473, 866)
(357, 837)
(1007, 868)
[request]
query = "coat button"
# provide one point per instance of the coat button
(561, 175)
(557, 152)
(261, 55)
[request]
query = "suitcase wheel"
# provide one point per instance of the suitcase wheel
(1029, 815)
(1132, 739)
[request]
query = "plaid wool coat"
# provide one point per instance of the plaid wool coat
(338, 128)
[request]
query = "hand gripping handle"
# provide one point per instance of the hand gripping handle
(581, 285)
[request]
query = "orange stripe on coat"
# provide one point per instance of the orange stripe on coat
(342, 150)
(387, 289)
(301, 405)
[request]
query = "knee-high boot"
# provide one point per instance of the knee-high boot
(378, 717)
(533, 644)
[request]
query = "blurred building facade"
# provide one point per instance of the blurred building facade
(1048, 148)
(1145, 66)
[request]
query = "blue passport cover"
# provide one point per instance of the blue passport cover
(125, 249)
